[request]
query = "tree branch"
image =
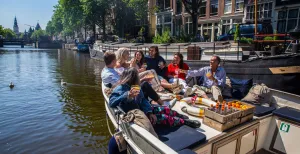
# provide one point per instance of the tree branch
(186, 6)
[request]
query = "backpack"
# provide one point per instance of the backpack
(258, 94)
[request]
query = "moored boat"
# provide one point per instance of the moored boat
(96, 52)
(83, 48)
(273, 128)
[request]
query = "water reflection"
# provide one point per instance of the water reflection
(82, 97)
(41, 116)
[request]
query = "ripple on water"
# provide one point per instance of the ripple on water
(40, 116)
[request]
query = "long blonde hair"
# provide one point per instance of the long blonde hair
(120, 54)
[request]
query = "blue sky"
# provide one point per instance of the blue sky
(27, 12)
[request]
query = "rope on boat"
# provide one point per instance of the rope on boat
(108, 125)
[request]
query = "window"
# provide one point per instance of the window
(264, 11)
(188, 25)
(227, 8)
(163, 4)
(250, 12)
(178, 6)
(163, 22)
(292, 19)
(225, 26)
(288, 20)
(239, 5)
(236, 21)
(203, 9)
(214, 5)
(168, 18)
(178, 24)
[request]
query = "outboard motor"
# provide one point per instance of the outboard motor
(295, 34)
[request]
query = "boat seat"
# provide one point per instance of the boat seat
(179, 138)
(288, 113)
(186, 151)
(262, 110)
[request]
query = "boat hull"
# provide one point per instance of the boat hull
(83, 48)
(96, 54)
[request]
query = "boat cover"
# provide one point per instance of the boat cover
(186, 151)
(288, 113)
(262, 110)
(179, 138)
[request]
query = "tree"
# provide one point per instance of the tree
(39, 35)
(96, 13)
(50, 30)
(140, 7)
(72, 12)
(193, 8)
(9, 34)
(125, 17)
(1, 30)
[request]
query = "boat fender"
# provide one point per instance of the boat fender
(199, 100)
(195, 111)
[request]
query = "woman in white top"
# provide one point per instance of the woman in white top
(122, 55)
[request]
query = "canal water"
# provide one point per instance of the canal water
(39, 115)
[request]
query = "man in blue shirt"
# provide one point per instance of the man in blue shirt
(214, 78)
(109, 75)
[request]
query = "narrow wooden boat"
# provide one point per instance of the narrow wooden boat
(273, 129)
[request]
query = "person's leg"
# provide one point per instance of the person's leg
(200, 92)
(149, 92)
(216, 91)
(167, 111)
(171, 121)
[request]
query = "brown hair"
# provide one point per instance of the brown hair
(141, 62)
(181, 59)
(109, 57)
(156, 49)
(130, 76)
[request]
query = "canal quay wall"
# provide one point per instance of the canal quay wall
(46, 45)
(69, 46)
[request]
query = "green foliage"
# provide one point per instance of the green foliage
(22, 35)
(269, 38)
(140, 7)
(246, 40)
(50, 29)
(8, 33)
(164, 38)
(237, 33)
(39, 35)
(1, 30)
(275, 37)
(57, 19)
(183, 37)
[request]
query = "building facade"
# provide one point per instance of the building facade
(287, 15)
(216, 17)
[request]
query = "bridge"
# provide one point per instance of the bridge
(20, 42)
